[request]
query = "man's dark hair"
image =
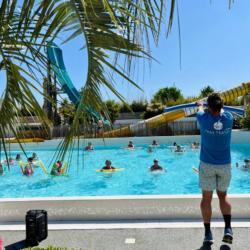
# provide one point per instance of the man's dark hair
(215, 102)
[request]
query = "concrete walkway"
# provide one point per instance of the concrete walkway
(135, 239)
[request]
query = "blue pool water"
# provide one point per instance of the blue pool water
(83, 180)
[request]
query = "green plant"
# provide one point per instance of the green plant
(152, 110)
(67, 111)
(139, 106)
(113, 108)
(168, 95)
(206, 91)
(110, 30)
(246, 120)
(47, 248)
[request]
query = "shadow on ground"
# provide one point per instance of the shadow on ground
(207, 246)
(20, 245)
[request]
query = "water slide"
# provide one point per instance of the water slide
(55, 56)
(180, 111)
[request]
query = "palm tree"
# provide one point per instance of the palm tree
(115, 32)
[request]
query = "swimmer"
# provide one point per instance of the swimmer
(130, 145)
(108, 166)
(150, 149)
(154, 143)
(18, 157)
(34, 156)
(246, 164)
(195, 145)
(28, 169)
(174, 144)
(156, 167)
(89, 147)
(1, 169)
(178, 149)
(9, 161)
(57, 169)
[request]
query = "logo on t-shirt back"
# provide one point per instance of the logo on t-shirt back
(218, 125)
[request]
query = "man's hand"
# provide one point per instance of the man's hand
(200, 106)
(199, 103)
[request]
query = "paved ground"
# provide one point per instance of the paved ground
(145, 239)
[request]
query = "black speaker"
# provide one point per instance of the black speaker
(36, 226)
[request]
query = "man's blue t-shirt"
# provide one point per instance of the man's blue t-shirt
(215, 137)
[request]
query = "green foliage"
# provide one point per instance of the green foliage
(47, 248)
(246, 120)
(135, 106)
(168, 96)
(152, 110)
(139, 106)
(67, 111)
(206, 91)
(114, 109)
(111, 30)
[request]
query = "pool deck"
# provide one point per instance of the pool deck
(189, 238)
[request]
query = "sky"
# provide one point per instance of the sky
(215, 51)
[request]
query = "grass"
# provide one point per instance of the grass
(49, 248)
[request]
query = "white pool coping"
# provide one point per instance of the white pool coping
(119, 208)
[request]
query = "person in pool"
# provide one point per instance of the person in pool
(156, 167)
(89, 147)
(246, 164)
(9, 161)
(28, 169)
(195, 145)
(34, 156)
(154, 143)
(57, 169)
(130, 145)
(18, 157)
(174, 144)
(150, 149)
(108, 166)
(178, 149)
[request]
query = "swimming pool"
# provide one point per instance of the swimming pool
(83, 180)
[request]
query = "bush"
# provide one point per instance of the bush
(246, 120)
(139, 106)
(152, 110)
(47, 248)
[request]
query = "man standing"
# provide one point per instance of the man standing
(215, 162)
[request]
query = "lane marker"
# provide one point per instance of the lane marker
(130, 241)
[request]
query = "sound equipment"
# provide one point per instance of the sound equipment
(36, 226)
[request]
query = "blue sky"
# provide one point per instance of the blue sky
(215, 51)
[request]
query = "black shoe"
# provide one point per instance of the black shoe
(208, 239)
(228, 235)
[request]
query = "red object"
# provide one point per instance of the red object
(1, 243)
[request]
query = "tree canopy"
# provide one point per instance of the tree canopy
(206, 91)
(168, 95)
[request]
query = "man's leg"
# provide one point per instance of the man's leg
(206, 207)
(206, 211)
(225, 208)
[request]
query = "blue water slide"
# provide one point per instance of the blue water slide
(55, 56)
(193, 105)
